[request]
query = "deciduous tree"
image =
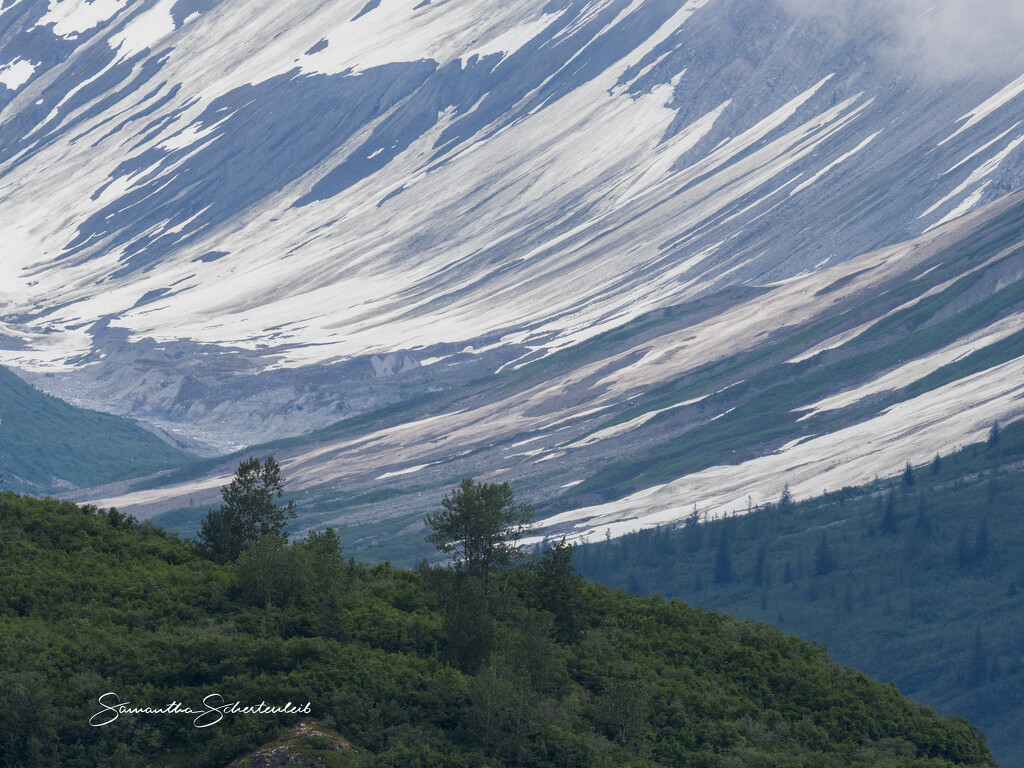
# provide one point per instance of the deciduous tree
(249, 510)
(481, 527)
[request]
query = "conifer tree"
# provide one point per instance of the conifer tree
(824, 560)
(760, 566)
(785, 500)
(890, 524)
(980, 551)
(977, 665)
(723, 561)
(963, 550)
(993, 435)
(908, 475)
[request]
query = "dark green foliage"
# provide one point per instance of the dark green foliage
(26, 710)
(785, 503)
(249, 498)
(480, 526)
(824, 560)
(916, 570)
(248, 513)
(220, 538)
(559, 590)
(467, 623)
(90, 604)
(908, 475)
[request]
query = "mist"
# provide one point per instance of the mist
(934, 40)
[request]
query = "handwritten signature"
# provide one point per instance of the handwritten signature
(214, 710)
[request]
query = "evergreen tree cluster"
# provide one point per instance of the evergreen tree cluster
(914, 579)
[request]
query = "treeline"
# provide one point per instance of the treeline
(524, 665)
(916, 579)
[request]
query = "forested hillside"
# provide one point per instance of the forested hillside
(47, 445)
(414, 668)
(916, 579)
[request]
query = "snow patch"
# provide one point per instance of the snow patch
(833, 343)
(15, 74)
(628, 426)
(833, 164)
(71, 17)
(407, 471)
(983, 148)
(937, 421)
(431, 360)
(918, 369)
(573, 417)
(965, 207)
(512, 40)
(144, 31)
(190, 135)
(985, 169)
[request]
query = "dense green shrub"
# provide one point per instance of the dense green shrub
(572, 675)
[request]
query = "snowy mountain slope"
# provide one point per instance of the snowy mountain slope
(326, 182)
(245, 221)
(825, 380)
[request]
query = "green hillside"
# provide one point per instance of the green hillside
(47, 445)
(413, 668)
(917, 579)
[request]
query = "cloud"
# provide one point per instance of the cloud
(937, 40)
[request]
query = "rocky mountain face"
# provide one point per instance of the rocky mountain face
(544, 241)
(822, 381)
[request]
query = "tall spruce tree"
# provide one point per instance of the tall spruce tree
(908, 474)
(785, 503)
(993, 435)
(824, 560)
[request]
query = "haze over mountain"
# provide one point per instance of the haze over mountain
(591, 247)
